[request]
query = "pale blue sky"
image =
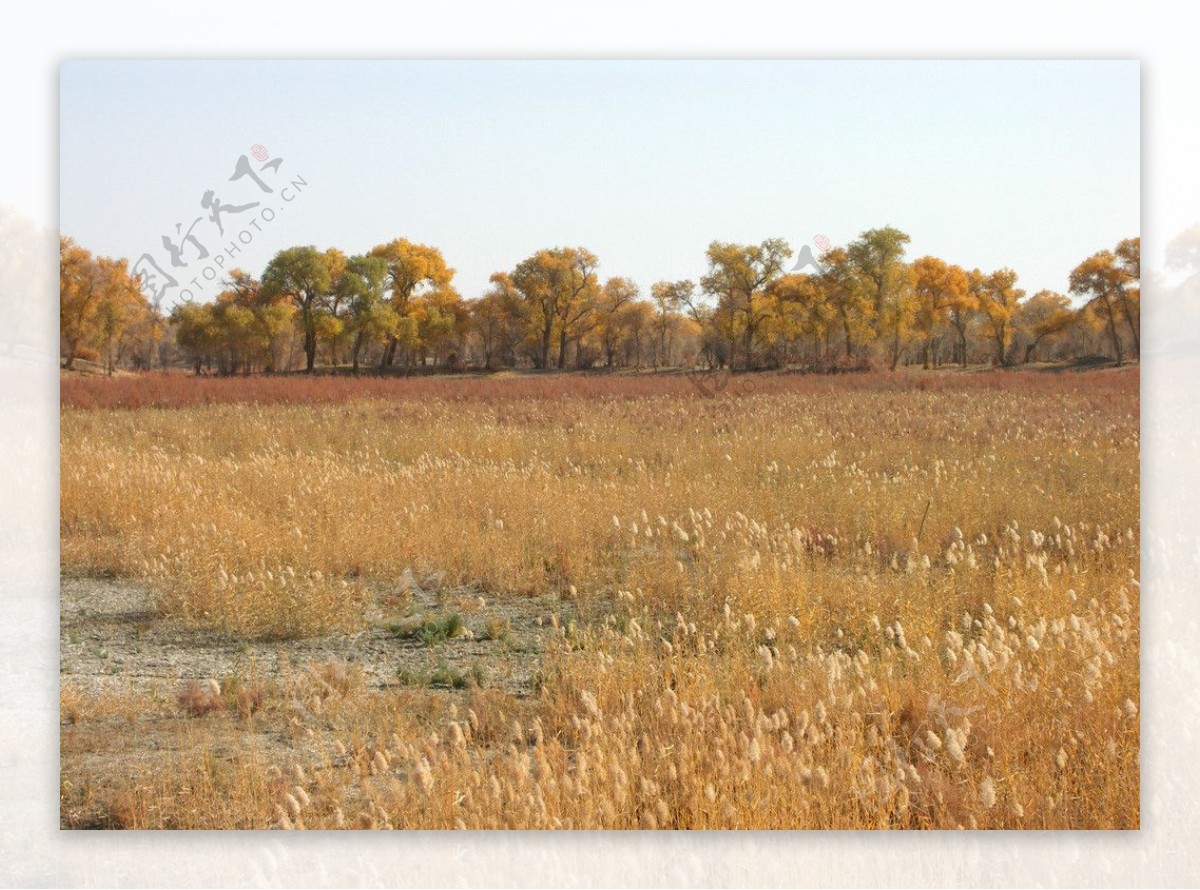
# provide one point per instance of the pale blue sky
(1032, 165)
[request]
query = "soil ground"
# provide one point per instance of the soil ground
(112, 640)
(122, 668)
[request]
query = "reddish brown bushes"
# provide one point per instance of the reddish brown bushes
(171, 390)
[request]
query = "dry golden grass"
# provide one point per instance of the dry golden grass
(763, 640)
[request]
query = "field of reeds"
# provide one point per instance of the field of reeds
(868, 601)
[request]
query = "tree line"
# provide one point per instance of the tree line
(396, 307)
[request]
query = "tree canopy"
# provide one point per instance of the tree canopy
(396, 306)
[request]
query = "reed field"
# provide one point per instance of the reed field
(874, 601)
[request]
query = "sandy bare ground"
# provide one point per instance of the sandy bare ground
(123, 667)
(111, 639)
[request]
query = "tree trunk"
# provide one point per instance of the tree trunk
(388, 358)
(310, 350)
(1029, 350)
(1112, 330)
(546, 339)
(562, 348)
(1137, 346)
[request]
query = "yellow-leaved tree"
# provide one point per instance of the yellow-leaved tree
(99, 300)
(850, 298)
(1109, 281)
(419, 282)
(878, 258)
(739, 277)
(998, 299)
(558, 289)
(937, 286)
(1043, 315)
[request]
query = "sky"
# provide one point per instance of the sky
(1025, 164)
